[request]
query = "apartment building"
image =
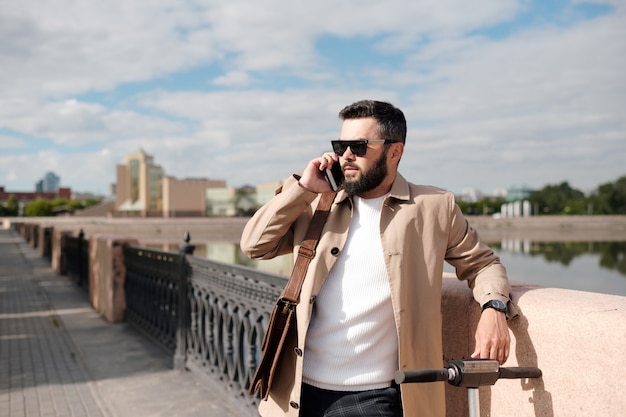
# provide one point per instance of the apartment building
(143, 189)
(186, 198)
(139, 186)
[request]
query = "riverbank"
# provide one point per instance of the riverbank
(552, 228)
(228, 229)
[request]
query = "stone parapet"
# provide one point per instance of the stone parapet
(106, 276)
(576, 338)
(226, 229)
(59, 259)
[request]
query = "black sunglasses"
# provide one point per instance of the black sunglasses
(358, 147)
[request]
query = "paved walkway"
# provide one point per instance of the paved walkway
(59, 358)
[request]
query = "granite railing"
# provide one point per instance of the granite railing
(210, 317)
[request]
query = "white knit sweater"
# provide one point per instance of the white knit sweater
(352, 341)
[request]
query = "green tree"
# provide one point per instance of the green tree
(38, 208)
(90, 201)
(613, 256)
(610, 198)
(558, 199)
(10, 207)
(485, 206)
(42, 207)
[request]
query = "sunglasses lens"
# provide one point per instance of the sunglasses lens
(358, 147)
(339, 147)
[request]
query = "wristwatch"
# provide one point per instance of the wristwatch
(496, 305)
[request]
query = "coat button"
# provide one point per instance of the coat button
(294, 404)
(312, 299)
(334, 251)
(298, 351)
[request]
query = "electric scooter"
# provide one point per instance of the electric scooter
(469, 373)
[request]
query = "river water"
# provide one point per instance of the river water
(586, 266)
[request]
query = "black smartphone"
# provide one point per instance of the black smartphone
(334, 176)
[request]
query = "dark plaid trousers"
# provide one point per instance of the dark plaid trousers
(317, 402)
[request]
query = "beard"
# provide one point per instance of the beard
(370, 179)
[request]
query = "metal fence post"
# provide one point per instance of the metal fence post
(180, 355)
(79, 255)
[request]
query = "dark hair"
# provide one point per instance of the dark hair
(391, 121)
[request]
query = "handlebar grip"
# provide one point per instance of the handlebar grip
(519, 373)
(424, 375)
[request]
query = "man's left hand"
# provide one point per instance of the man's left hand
(492, 336)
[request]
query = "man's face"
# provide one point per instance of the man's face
(364, 175)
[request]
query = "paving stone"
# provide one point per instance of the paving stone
(59, 358)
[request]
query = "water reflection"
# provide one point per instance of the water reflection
(611, 255)
(229, 253)
(586, 266)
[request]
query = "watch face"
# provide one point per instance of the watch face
(495, 304)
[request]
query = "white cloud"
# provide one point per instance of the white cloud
(232, 79)
(544, 104)
(68, 47)
(75, 123)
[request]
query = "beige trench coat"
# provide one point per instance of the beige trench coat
(420, 227)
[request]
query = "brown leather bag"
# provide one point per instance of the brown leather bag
(284, 313)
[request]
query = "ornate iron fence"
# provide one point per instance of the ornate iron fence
(210, 316)
(152, 288)
(229, 309)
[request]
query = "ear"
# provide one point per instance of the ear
(397, 149)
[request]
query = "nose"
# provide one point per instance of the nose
(348, 154)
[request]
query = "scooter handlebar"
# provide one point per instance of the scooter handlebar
(519, 373)
(467, 373)
(423, 375)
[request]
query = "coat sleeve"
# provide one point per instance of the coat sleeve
(269, 233)
(476, 263)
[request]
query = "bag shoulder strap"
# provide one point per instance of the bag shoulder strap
(291, 293)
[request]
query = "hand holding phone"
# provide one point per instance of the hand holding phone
(334, 176)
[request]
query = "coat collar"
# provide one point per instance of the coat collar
(399, 191)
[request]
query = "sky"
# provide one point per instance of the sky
(497, 93)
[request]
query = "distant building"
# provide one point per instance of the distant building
(49, 183)
(266, 191)
(86, 195)
(220, 202)
(143, 189)
(186, 198)
(471, 195)
(500, 192)
(228, 202)
(139, 186)
(518, 193)
(247, 202)
(28, 196)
